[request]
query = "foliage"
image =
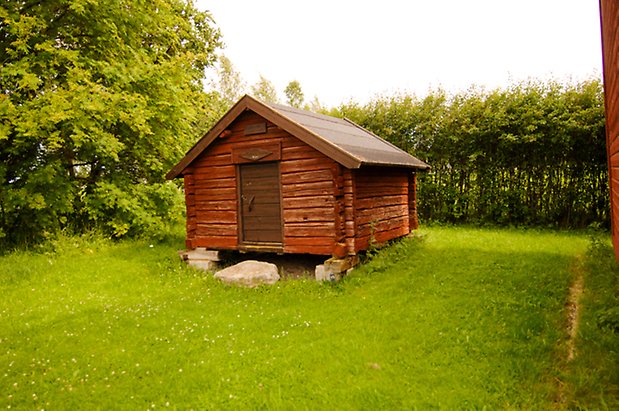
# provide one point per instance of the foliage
(97, 96)
(150, 209)
(531, 154)
(460, 319)
(294, 94)
(264, 90)
(229, 84)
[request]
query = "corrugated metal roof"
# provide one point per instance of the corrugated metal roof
(360, 143)
(340, 139)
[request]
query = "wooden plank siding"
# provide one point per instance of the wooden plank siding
(381, 205)
(609, 13)
(260, 203)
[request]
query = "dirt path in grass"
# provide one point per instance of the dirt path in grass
(573, 319)
(573, 307)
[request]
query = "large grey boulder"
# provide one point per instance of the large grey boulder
(250, 273)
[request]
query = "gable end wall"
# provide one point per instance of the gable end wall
(307, 191)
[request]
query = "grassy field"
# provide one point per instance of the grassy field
(456, 318)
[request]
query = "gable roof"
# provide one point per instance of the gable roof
(339, 139)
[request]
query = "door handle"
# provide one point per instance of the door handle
(250, 202)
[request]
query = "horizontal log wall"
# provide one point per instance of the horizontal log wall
(307, 198)
(381, 205)
(307, 190)
(190, 204)
(212, 217)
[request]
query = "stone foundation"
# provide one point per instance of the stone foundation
(201, 258)
(332, 269)
(335, 268)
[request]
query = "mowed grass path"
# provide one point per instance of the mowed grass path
(462, 318)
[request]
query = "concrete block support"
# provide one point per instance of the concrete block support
(201, 258)
(335, 268)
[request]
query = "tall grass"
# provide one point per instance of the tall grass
(456, 318)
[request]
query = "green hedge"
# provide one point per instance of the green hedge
(530, 154)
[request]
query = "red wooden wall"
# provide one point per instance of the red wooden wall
(381, 205)
(307, 188)
(609, 12)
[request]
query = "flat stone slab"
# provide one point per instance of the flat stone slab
(200, 253)
(250, 273)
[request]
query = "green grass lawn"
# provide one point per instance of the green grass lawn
(459, 318)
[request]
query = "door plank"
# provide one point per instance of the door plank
(260, 203)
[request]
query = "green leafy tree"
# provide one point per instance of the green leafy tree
(294, 94)
(316, 106)
(229, 83)
(99, 98)
(264, 90)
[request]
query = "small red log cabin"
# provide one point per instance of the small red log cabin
(272, 178)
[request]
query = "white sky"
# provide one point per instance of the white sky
(341, 50)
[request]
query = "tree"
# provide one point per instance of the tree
(316, 106)
(294, 94)
(98, 99)
(229, 83)
(264, 90)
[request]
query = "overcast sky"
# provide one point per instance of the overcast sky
(340, 50)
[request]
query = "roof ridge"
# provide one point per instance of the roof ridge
(308, 112)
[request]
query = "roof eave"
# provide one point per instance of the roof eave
(419, 167)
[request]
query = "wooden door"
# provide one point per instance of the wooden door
(261, 220)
